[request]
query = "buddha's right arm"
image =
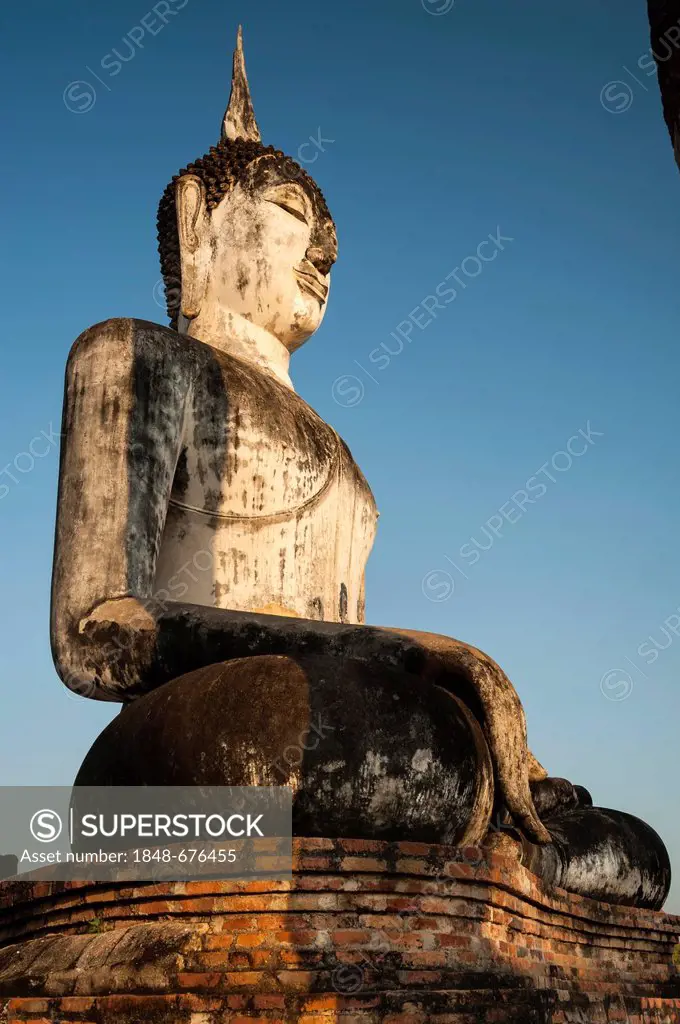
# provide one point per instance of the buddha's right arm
(129, 392)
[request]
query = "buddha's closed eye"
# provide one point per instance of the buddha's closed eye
(291, 209)
(292, 202)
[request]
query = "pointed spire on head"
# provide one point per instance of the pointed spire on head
(239, 119)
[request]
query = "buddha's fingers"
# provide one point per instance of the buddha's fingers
(503, 721)
(505, 730)
(536, 770)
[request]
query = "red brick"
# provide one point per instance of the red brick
(101, 896)
(307, 938)
(156, 908)
(296, 979)
(199, 979)
(234, 1002)
(269, 1002)
(28, 1006)
(198, 906)
(244, 979)
(234, 923)
(350, 937)
(201, 1004)
(352, 864)
(320, 1003)
(362, 846)
(250, 939)
(76, 1004)
(305, 843)
(220, 940)
(303, 863)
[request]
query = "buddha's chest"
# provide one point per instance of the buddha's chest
(252, 448)
(269, 500)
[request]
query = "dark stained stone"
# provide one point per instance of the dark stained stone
(371, 754)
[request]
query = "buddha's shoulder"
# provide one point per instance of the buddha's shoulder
(129, 338)
(122, 340)
(122, 343)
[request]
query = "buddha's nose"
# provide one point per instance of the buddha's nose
(320, 258)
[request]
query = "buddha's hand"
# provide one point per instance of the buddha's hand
(483, 686)
(119, 646)
(553, 797)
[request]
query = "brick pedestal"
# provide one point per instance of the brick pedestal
(365, 932)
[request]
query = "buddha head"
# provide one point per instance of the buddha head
(246, 230)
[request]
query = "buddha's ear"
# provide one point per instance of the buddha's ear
(192, 228)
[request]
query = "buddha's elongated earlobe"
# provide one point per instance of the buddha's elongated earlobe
(192, 224)
(239, 120)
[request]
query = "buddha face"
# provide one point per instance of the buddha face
(266, 250)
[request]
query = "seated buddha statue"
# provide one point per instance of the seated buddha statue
(211, 542)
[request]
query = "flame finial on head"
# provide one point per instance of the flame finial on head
(239, 120)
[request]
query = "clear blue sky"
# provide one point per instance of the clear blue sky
(444, 128)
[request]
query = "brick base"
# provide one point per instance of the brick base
(366, 932)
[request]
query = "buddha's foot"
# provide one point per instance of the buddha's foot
(369, 752)
(603, 854)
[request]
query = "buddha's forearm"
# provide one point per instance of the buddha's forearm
(124, 648)
(190, 636)
(127, 650)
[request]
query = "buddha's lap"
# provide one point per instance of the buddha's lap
(370, 753)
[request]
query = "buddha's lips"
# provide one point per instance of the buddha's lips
(312, 283)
